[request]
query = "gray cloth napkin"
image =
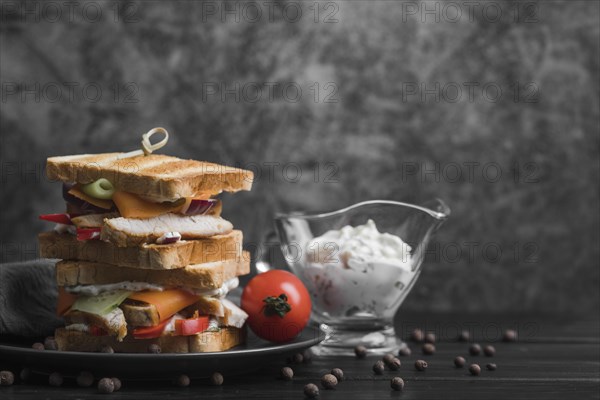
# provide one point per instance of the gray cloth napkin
(28, 295)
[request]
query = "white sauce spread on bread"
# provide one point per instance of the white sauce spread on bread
(94, 290)
(78, 327)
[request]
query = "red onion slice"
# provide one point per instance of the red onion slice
(169, 237)
(199, 206)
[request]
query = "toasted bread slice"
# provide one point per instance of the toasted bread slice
(163, 178)
(225, 338)
(148, 256)
(210, 275)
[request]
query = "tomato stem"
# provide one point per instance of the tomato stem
(277, 305)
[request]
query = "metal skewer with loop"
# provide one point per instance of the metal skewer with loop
(147, 146)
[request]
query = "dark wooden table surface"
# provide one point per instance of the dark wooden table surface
(555, 357)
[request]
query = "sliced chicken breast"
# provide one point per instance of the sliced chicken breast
(92, 220)
(133, 232)
(114, 322)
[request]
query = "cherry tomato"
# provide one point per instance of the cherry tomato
(278, 305)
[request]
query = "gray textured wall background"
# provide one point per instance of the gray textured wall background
(527, 107)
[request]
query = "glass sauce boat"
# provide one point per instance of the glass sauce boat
(355, 303)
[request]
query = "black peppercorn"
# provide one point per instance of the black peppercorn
(510, 335)
(360, 351)
(475, 369)
(378, 367)
(25, 374)
(85, 379)
(38, 346)
(286, 373)
(417, 335)
(388, 358)
(182, 381)
(474, 349)
(404, 351)
(489, 350)
(459, 362)
(328, 381)
(464, 336)
(7, 378)
(395, 364)
(428, 349)
(107, 349)
(311, 390)
(297, 358)
(421, 365)
(430, 338)
(338, 373)
(106, 386)
(117, 383)
(50, 343)
(307, 355)
(491, 367)
(216, 379)
(397, 383)
(55, 379)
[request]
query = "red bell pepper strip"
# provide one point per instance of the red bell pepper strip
(88, 233)
(58, 218)
(151, 332)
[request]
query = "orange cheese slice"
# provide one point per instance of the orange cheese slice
(133, 206)
(167, 302)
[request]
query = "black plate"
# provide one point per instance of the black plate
(241, 359)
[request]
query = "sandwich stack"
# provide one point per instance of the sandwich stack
(146, 260)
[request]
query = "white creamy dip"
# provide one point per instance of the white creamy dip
(358, 271)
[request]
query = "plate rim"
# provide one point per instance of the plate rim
(317, 333)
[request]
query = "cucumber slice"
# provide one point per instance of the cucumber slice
(100, 189)
(101, 304)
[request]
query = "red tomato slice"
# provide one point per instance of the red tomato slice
(58, 218)
(151, 332)
(88, 233)
(191, 326)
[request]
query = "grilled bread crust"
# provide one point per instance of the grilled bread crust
(211, 275)
(155, 176)
(225, 338)
(147, 256)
